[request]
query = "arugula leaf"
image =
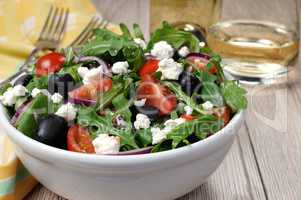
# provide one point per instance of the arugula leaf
(72, 70)
(134, 56)
(125, 31)
(40, 83)
(202, 127)
(122, 45)
(137, 32)
(27, 123)
(143, 137)
(205, 76)
(211, 92)
(234, 95)
(122, 105)
(4, 88)
(69, 55)
(176, 89)
(87, 117)
(174, 37)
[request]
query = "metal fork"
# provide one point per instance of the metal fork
(50, 37)
(87, 32)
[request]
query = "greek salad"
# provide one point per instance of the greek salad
(121, 95)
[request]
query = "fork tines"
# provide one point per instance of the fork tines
(87, 33)
(55, 25)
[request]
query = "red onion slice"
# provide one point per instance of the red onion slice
(198, 55)
(85, 102)
(20, 111)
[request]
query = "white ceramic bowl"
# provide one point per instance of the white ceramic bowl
(159, 176)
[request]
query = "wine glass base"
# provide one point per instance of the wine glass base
(250, 73)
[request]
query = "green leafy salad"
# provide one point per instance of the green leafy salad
(121, 95)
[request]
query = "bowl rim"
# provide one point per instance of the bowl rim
(32, 146)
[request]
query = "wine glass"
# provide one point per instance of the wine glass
(257, 39)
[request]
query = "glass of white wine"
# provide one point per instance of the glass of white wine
(257, 39)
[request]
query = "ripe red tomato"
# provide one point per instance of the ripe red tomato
(157, 95)
(188, 117)
(149, 67)
(201, 64)
(79, 140)
(90, 91)
(49, 63)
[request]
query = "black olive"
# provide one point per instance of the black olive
(52, 130)
(150, 111)
(189, 83)
(91, 64)
(23, 80)
(61, 84)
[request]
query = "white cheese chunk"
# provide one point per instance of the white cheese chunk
(158, 135)
(19, 90)
(37, 91)
(57, 98)
(207, 106)
(188, 110)
(105, 144)
(183, 51)
(170, 69)
(8, 98)
(92, 76)
(142, 121)
(140, 42)
(162, 50)
(120, 67)
(140, 103)
(202, 44)
(67, 111)
(82, 71)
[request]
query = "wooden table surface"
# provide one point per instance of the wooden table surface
(265, 159)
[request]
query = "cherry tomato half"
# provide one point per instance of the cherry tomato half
(79, 140)
(49, 63)
(90, 91)
(149, 67)
(156, 95)
(188, 117)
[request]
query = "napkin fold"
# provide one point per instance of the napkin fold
(20, 24)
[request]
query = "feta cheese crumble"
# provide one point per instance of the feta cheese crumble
(19, 90)
(90, 76)
(207, 106)
(188, 110)
(142, 121)
(183, 51)
(140, 103)
(57, 98)
(162, 50)
(202, 44)
(158, 135)
(120, 67)
(10, 96)
(82, 71)
(140, 42)
(170, 69)
(67, 111)
(105, 144)
(37, 91)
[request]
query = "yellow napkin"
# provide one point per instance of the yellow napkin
(20, 25)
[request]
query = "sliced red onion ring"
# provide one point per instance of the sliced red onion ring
(198, 55)
(85, 102)
(100, 61)
(134, 152)
(19, 111)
